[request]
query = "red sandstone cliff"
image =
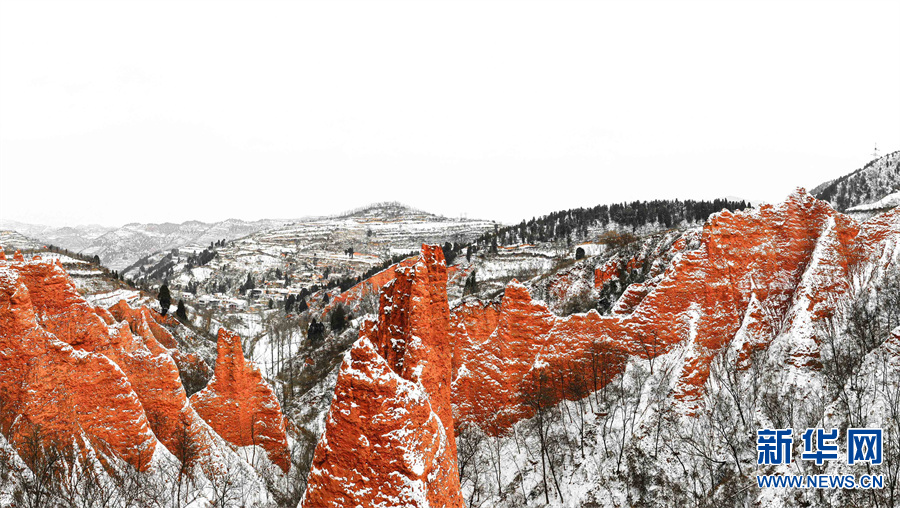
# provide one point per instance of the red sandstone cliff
(240, 406)
(389, 439)
(746, 279)
(371, 286)
(103, 382)
(57, 370)
(755, 275)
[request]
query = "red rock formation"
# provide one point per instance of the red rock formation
(371, 286)
(497, 369)
(383, 444)
(789, 263)
(413, 328)
(89, 380)
(59, 308)
(74, 396)
(241, 406)
(132, 345)
(731, 282)
(747, 279)
(476, 321)
(606, 273)
(630, 299)
(144, 322)
(487, 390)
(389, 439)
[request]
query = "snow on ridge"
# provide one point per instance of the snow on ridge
(889, 201)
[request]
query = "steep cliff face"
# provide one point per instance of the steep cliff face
(474, 321)
(754, 276)
(73, 395)
(383, 445)
(145, 322)
(486, 390)
(240, 406)
(371, 287)
(751, 325)
(748, 280)
(102, 382)
(389, 439)
(412, 330)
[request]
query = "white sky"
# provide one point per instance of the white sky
(115, 112)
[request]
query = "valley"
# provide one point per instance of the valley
(567, 361)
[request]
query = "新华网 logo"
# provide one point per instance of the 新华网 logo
(774, 447)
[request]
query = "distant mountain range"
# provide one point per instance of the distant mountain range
(121, 247)
(864, 191)
(308, 250)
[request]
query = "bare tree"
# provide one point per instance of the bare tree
(470, 443)
(136, 489)
(537, 395)
(187, 451)
(223, 484)
(45, 463)
(889, 386)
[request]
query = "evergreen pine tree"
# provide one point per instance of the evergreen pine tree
(316, 331)
(165, 299)
(471, 286)
(449, 253)
(181, 312)
(338, 319)
(289, 304)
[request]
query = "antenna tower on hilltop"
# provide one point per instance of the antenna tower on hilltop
(875, 153)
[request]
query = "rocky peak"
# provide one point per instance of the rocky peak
(240, 405)
(756, 276)
(98, 381)
(413, 328)
(386, 210)
(389, 432)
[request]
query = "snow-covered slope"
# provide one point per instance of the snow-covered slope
(868, 184)
(15, 240)
(306, 253)
(809, 344)
(379, 229)
(885, 203)
(777, 317)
